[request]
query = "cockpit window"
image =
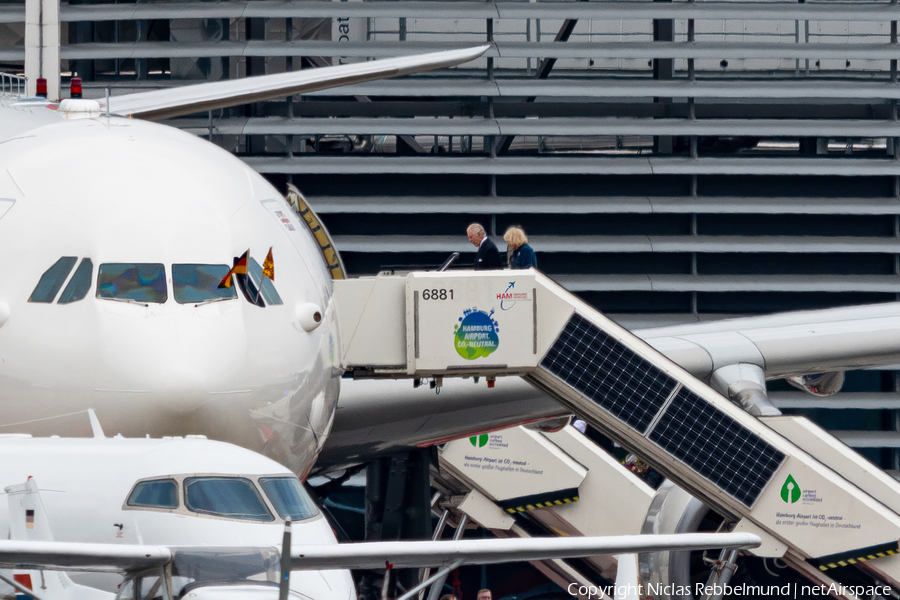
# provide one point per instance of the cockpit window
(155, 493)
(250, 286)
(135, 282)
(290, 500)
(194, 284)
(228, 497)
(80, 284)
(52, 280)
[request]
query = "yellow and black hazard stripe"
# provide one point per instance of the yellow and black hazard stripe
(549, 499)
(846, 559)
(323, 238)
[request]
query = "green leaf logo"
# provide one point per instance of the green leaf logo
(479, 441)
(790, 491)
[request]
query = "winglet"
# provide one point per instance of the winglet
(95, 424)
(190, 99)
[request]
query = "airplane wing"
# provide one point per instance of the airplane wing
(162, 104)
(785, 344)
(401, 555)
(70, 556)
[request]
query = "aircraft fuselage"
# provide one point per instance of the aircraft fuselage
(157, 214)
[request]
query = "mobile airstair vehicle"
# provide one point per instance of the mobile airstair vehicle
(817, 505)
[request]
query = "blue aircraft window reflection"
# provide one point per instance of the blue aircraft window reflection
(137, 282)
(290, 500)
(157, 493)
(52, 280)
(194, 284)
(80, 284)
(250, 285)
(229, 497)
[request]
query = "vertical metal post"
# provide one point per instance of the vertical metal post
(528, 39)
(690, 38)
(489, 26)
(894, 60)
(663, 69)
(694, 269)
(895, 453)
(289, 100)
(806, 39)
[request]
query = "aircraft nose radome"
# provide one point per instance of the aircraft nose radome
(184, 361)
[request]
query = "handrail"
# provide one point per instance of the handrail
(13, 85)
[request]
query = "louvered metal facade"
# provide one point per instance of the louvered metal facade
(666, 158)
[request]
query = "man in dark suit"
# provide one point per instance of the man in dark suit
(487, 257)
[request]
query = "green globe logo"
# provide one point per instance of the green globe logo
(476, 334)
(479, 441)
(790, 491)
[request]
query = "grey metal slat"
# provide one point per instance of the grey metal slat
(385, 49)
(826, 11)
(576, 126)
(469, 83)
(857, 400)
(719, 244)
(869, 439)
(636, 165)
(744, 89)
(730, 283)
(604, 204)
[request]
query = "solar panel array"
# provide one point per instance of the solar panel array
(610, 374)
(716, 446)
(639, 394)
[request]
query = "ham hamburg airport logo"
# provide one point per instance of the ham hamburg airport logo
(476, 334)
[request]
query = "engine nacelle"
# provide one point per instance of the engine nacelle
(676, 575)
(819, 384)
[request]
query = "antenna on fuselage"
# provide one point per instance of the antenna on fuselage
(95, 424)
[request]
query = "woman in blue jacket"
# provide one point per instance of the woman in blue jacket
(519, 253)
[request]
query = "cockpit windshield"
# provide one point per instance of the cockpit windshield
(132, 282)
(257, 289)
(229, 497)
(290, 500)
(264, 498)
(52, 280)
(194, 284)
(155, 493)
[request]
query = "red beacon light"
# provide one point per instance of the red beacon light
(75, 88)
(41, 87)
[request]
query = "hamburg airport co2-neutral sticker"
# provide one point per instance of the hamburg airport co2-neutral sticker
(476, 334)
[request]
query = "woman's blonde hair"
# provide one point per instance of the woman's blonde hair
(515, 237)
